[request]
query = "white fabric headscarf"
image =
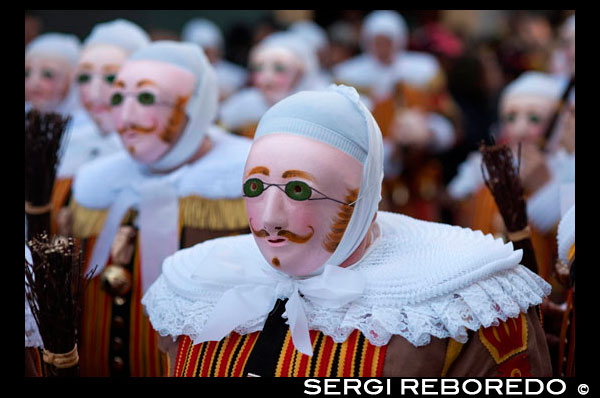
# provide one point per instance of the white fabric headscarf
(121, 33)
(156, 196)
(387, 23)
(63, 46)
(203, 32)
(338, 118)
(201, 107)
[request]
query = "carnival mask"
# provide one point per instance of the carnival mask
(47, 81)
(148, 101)
(299, 196)
(525, 118)
(98, 66)
(275, 71)
(382, 48)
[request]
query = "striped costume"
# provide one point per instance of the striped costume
(109, 323)
(116, 337)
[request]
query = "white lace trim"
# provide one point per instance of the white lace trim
(566, 234)
(484, 303)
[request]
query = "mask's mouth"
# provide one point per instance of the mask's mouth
(277, 242)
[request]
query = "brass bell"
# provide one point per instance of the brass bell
(116, 280)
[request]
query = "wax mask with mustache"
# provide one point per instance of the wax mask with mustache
(275, 72)
(50, 61)
(47, 81)
(297, 193)
(524, 118)
(148, 102)
(96, 71)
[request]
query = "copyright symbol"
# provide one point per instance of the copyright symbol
(583, 389)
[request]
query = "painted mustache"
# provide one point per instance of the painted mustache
(292, 237)
(138, 128)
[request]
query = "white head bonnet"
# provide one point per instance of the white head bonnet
(301, 49)
(311, 32)
(121, 33)
(386, 23)
(201, 108)
(60, 45)
(535, 83)
(202, 32)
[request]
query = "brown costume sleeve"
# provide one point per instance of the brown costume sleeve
(169, 347)
(402, 359)
(515, 348)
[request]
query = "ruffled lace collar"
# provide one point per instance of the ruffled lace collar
(422, 279)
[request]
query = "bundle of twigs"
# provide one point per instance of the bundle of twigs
(54, 287)
(502, 179)
(43, 136)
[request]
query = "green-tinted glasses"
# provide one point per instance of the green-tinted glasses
(296, 190)
(144, 98)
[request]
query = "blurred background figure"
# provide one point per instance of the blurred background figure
(317, 38)
(280, 65)
(408, 95)
(92, 132)
(50, 62)
(208, 36)
(563, 57)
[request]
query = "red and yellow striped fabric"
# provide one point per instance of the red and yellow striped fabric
(145, 359)
(355, 357)
(144, 356)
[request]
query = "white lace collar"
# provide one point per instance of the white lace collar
(421, 279)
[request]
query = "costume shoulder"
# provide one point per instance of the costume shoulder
(219, 173)
(242, 108)
(428, 279)
(468, 177)
(84, 143)
(97, 182)
(417, 68)
(357, 71)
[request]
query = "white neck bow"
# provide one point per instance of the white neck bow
(256, 291)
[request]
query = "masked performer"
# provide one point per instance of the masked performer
(280, 65)
(207, 35)
(174, 186)
(92, 134)
(526, 108)
(328, 286)
(315, 36)
(50, 62)
(410, 102)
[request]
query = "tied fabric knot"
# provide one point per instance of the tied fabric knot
(242, 303)
(157, 199)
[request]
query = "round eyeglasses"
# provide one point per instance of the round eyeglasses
(296, 190)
